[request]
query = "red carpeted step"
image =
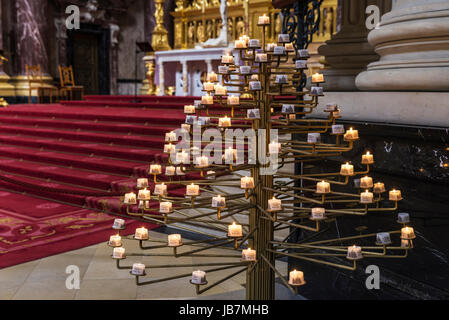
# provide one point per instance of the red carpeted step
(153, 129)
(78, 177)
(88, 136)
(119, 104)
(88, 149)
(143, 98)
(74, 160)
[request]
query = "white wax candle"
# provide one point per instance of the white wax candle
(212, 77)
(303, 53)
(170, 171)
(395, 195)
(247, 183)
(379, 187)
(235, 230)
(254, 43)
(218, 202)
(354, 252)
(144, 194)
(283, 38)
(281, 78)
(223, 69)
(270, 47)
(255, 85)
(174, 240)
(366, 182)
(245, 69)
(160, 189)
(301, 64)
(138, 269)
(288, 108)
(249, 255)
(274, 147)
(141, 233)
(142, 183)
(208, 86)
(198, 277)
(182, 157)
(318, 213)
(347, 169)
(202, 162)
(313, 137)
(165, 207)
(230, 155)
(279, 50)
(118, 253)
(323, 187)
(407, 233)
(274, 204)
(233, 100)
(170, 136)
(296, 278)
(366, 197)
(130, 198)
(155, 169)
(227, 59)
(289, 47)
(317, 77)
(240, 44)
(383, 238)
(179, 171)
(169, 148)
(403, 217)
(367, 158)
(338, 129)
(193, 190)
(331, 106)
(220, 90)
(207, 100)
(115, 240)
(118, 224)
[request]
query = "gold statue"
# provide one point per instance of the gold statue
(152, 90)
(159, 41)
(179, 5)
(200, 32)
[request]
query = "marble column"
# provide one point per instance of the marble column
(160, 67)
(6, 89)
(185, 78)
(348, 52)
(31, 41)
(413, 44)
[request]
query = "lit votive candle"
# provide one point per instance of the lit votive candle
(130, 198)
(274, 147)
(189, 109)
(296, 278)
(230, 155)
(354, 253)
(408, 233)
(224, 122)
(208, 86)
(270, 47)
(212, 77)
(170, 136)
(142, 183)
(141, 233)
(366, 182)
(170, 171)
(248, 255)
(160, 189)
(144, 194)
(220, 90)
(182, 157)
(318, 213)
(165, 207)
(233, 100)
(247, 183)
(169, 148)
(207, 99)
(347, 169)
(174, 240)
(240, 44)
(138, 269)
(323, 187)
(179, 171)
(274, 204)
(289, 47)
(202, 162)
(235, 230)
(263, 20)
(395, 195)
(155, 169)
(198, 277)
(118, 253)
(366, 197)
(118, 224)
(351, 134)
(317, 77)
(218, 202)
(115, 241)
(193, 190)
(227, 58)
(367, 158)
(379, 187)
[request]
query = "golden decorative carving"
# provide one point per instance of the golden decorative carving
(152, 89)
(159, 40)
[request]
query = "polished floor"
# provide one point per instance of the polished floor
(99, 278)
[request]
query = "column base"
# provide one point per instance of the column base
(340, 79)
(21, 85)
(6, 89)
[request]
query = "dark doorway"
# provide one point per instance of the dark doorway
(88, 53)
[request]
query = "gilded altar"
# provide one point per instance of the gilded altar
(196, 21)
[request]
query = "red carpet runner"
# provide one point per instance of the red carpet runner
(91, 150)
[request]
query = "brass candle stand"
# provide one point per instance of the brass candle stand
(248, 191)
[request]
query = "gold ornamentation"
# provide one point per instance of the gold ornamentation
(159, 41)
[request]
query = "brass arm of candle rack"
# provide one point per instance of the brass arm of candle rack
(200, 291)
(279, 274)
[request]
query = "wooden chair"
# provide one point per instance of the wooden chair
(35, 82)
(68, 82)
